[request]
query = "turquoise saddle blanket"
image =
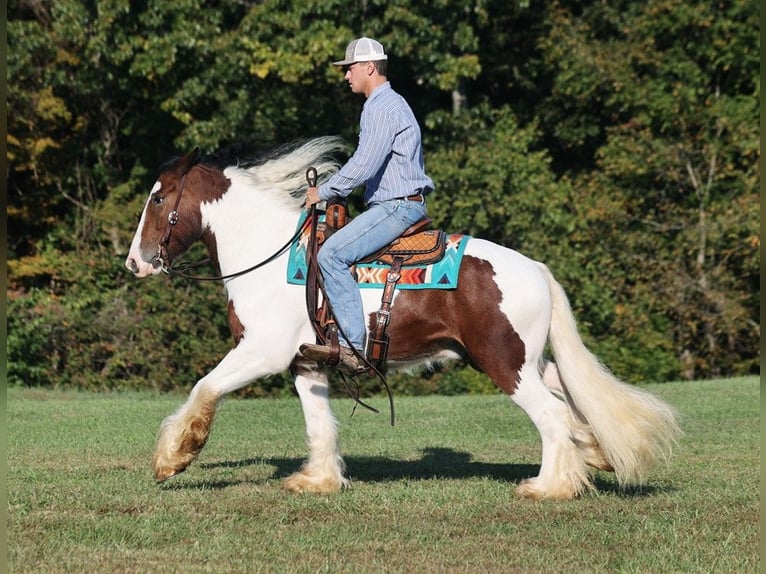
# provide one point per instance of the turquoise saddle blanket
(440, 275)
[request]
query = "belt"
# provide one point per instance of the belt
(419, 197)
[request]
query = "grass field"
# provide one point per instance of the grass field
(432, 494)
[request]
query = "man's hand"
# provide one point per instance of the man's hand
(312, 197)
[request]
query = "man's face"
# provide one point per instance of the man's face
(356, 76)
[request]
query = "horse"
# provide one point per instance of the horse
(504, 310)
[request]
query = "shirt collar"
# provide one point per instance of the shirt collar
(379, 90)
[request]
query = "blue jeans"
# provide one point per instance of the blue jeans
(366, 233)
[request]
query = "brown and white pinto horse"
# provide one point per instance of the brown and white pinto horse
(499, 318)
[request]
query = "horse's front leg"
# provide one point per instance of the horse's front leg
(323, 471)
(184, 433)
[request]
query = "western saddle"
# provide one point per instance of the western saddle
(418, 245)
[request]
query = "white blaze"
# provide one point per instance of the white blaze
(135, 261)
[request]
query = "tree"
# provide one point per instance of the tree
(616, 142)
(675, 117)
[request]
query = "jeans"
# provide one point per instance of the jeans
(366, 233)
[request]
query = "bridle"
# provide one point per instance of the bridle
(185, 269)
(162, 247)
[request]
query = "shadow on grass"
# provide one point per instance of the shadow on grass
(612, 487)
(435, 463)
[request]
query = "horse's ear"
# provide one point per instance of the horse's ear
(189, 160)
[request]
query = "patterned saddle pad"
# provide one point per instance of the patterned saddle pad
(440, 275)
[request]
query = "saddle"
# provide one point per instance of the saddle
(418, 245)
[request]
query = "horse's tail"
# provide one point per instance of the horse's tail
(634, 428)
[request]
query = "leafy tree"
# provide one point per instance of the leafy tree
(676, 109)
(616, 142)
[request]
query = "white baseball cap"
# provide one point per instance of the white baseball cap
(362, 50)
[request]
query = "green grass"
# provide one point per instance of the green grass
(432, 494)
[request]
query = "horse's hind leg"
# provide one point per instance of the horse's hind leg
(581, 432)
(563, 474)
(323, 471)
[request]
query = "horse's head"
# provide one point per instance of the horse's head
(171, 222)
(173, 219)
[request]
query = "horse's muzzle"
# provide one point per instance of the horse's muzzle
(141, 268)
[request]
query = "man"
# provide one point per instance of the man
(389, 161)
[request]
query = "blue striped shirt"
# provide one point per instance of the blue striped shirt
(389, 157)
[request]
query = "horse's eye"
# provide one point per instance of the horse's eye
(157, 200)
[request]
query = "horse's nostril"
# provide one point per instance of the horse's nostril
(132, 265)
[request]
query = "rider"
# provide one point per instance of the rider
(389, 160)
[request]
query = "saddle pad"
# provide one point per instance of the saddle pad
(440, 275)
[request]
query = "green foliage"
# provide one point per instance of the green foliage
(454, 380)
(107, 337)
(616, 142)
(497, 180)
(677, 157)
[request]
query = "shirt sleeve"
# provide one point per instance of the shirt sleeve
(376, 137)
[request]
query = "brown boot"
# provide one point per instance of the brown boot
(318, 353)
(348, 362)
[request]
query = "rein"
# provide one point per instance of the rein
(184, 269)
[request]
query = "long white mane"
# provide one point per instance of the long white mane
(285, 172)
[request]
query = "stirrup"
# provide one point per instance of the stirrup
(349, 363)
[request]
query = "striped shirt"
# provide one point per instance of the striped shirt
(389, 157)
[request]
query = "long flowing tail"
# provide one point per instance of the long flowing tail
(634, 428)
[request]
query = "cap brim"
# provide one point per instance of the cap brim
(371, 58)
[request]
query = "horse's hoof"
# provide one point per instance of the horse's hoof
(531, 489)
(300, 482)
(291, 484)
(526, 489)
(161, 475)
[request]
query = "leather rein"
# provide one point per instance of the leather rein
(184, 269)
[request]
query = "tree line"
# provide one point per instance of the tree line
(616, 142)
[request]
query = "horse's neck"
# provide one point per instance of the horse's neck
(246, 227)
